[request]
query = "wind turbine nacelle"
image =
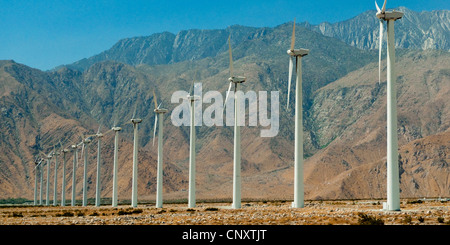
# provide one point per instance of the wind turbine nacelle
(193, 97)
(86, 141)
(160, 110)
(298, 52)
(391, 15)
(65, 150)
(116, 128)
(237, 79)
(74, 146)
(99, 135)
(137, 120)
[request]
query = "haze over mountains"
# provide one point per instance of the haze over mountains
(344, 110)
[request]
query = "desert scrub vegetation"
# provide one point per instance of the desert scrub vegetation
(130, 211)
(366, 219)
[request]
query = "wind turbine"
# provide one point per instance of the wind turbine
(47, 194)
(115, 167)
(75, 162)
(135, 122)
(85, 143)
(159, 176)
(37, 164)
(41, 174)
(298, 146)
(97, 189)
(192, 98)
(55, 192)
(393, 183)
(63, 188)
(236, 80)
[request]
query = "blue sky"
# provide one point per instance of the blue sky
(46, 33)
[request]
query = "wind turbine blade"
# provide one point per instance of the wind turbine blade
(293, 37)
(154, 100)
(291, 66)
(384, 7)
(193, 80)
(82, 152)
(154, 130)
(231, 56)
(135, 108)
(379, 51)
(378, 8)
(228, 92)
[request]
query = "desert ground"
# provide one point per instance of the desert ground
(338, 212)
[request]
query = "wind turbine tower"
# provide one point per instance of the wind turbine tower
(236, 80)
(36, 169)
(47, 194)
(115, 167)
(85, 142)
(298, 146)
(191, 200)
(393, 183)
(55, 192)
(98, 189)
(63, 188)
(134, 193)
(41, 174)
(159, 176)
(75, 161)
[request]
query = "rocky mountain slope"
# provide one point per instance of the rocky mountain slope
(416, 30)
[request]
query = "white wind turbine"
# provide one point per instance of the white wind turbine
(236, 80)
(63, 188)
(159, 176)
(298, 147)
(84, 153)
(47, 194)
(192, 168)
(97, 181)
(36, 169)
(75, 162)
(41, 180)
(115, 166)
(134, 193)
(393, 189)
(55, 192)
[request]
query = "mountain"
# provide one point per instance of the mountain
(415, 30)
(344, 115)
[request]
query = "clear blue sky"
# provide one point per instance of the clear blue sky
(46, 33)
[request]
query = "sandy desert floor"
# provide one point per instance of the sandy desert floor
(413, 212)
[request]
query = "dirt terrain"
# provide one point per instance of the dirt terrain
(348, 212)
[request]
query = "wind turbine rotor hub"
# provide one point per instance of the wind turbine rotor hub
(298, 52)
(193, 97)
(161, 110)
(390, 15)
(116, 128)
(136, 120)
(237, 79)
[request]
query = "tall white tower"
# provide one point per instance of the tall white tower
(135, 163)
(393, 189)
(55, 192)
(63, 188)
(191, 200)
(159, 176)
(115, 167)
